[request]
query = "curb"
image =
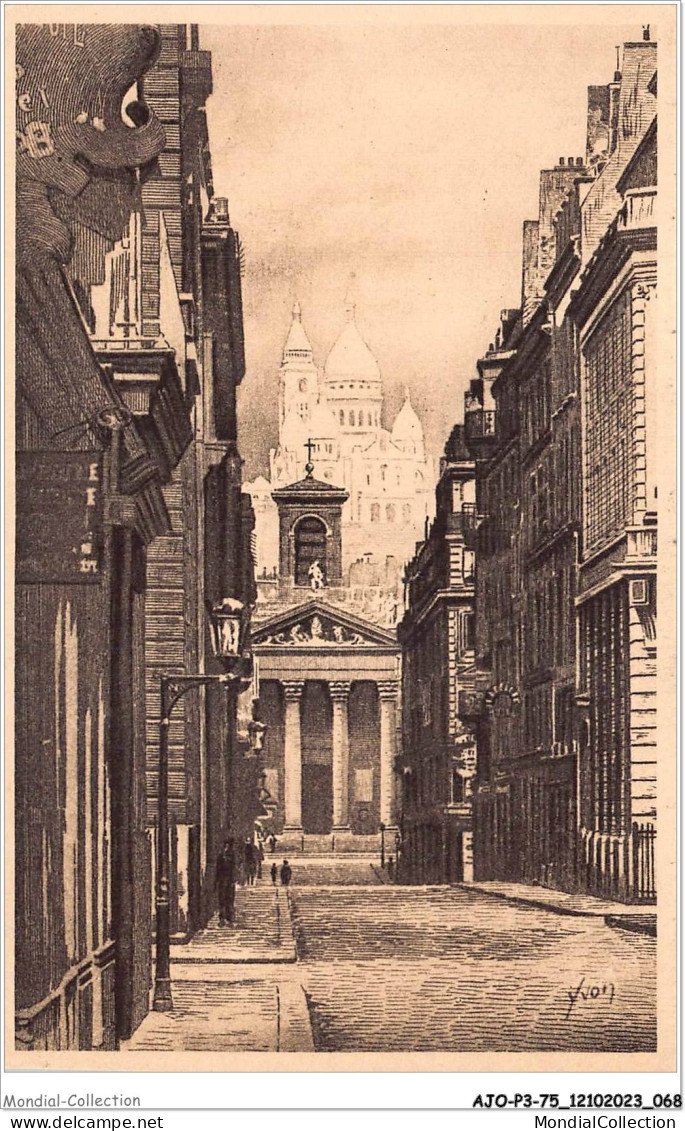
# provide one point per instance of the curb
(561, 909)
(284, 952)
(637, 924)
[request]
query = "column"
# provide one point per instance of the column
(340, 691)
(292, 754)
(387, 696)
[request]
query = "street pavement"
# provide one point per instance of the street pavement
(390, 968)
(428, 969)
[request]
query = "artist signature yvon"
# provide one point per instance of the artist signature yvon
(588, 991)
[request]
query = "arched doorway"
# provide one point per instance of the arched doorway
(310, 546)
(317, 758)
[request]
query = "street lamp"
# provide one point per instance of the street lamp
(382, 832)
(228, 627)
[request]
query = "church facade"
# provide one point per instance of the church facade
(333, 415)
(328, 686)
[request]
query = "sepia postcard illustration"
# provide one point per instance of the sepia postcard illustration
(341, 429)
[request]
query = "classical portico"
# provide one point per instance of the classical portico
(328, 683)
(328, 693)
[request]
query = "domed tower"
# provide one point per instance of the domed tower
(299, 377)
(407, 431)
(352, 383)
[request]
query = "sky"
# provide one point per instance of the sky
(398, 161)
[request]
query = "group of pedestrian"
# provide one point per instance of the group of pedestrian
(286, 873)
(228, 868)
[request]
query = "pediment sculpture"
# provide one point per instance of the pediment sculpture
(317, 630)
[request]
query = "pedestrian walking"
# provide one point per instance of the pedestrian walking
(224, 883)
(286, 873)
(274, 872)
(250, 862)
(391, 869)
(260, 859)
(272, 843)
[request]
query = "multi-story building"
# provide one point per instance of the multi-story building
(437, 637)
(524, 809)
(127, 432)
(89, 503)
(172, 296)
(613, 310)
(563, 703)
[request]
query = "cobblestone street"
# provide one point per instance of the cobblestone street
(424, 969)
(385, 968)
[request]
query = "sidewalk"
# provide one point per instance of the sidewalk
(632, 916)
(235, 989)
(262, 932)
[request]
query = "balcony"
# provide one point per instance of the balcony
(639, 209)
(480, 429)
(642, 542)
(469, 525)
(464, 522)
(481, 423)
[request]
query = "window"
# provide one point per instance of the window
(457, 788)
(383, 472)
(469, 566)
(468, 632)
(375, 512)
(609, 400)
(368, 419)
(310, 546)
(342, 416)
(406, 512)
(351, 420)
(390, 513)
(363, 783)
(271, 781)
(457, 496)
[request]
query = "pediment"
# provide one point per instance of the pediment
(317, 624)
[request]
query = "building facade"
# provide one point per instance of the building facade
(172, 295)
(328, 686)
(89, 503)
(126, 442)
(334, 415)
(437, 637)
(556, 421)
(614, 311)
